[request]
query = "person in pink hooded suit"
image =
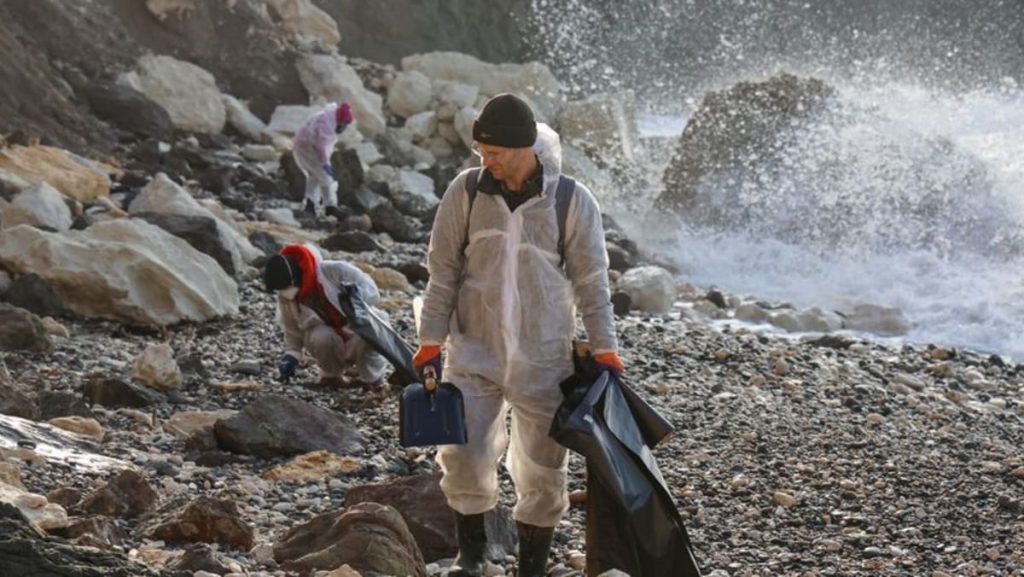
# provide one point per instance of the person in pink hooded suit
(313, 145)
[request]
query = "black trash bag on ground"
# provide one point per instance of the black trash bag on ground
(632, 522)
(362, 320)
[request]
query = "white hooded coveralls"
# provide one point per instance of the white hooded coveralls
(304, 329)
(312, 146)
(506, 309)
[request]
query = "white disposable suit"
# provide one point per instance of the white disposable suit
(304, 329)
(506, 311)
(312, 147)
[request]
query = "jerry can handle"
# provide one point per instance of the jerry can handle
(429, 379)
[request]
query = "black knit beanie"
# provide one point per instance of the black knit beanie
(506, 121)
(281, 272)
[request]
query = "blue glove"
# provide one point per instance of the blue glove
(329, 170)
(286, 367)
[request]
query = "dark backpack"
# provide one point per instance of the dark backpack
(563, 196)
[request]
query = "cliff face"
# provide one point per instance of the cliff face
(55, 51)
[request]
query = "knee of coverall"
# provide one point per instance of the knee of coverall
(538, 467)
(328, 349)
(370, 364)
(470, 471)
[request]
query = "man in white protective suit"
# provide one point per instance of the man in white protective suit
(503, 282)
(312, 148)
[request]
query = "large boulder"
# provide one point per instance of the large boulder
(329, 78)
(732, 125)
(410, 93)
(369, 537)
(164, 196)
(602, 123)
(275, 426)
(202, 232)
(532, 80)
(40, 205)
(128, 109)
(124, 269)
(73, 176)
(650, 288)
(309, 24)
(188, 93)
(242, 119)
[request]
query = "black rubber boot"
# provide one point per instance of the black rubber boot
(309, 208)
(534, 547)
(472, 537)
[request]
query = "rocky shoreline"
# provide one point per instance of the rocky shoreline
(840, 457)
(143, 430)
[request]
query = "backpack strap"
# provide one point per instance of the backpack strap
(563, 198)
(472, 179)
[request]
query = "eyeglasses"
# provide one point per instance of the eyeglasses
(495, 155)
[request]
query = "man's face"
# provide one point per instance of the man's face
(500, 161)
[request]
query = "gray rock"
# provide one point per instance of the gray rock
(20, 330)
(32, 293)
(27, 551)
(128, 109)
(199, 231)
(275, 426)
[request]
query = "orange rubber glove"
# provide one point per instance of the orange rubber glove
(610, 361)
(428, 355)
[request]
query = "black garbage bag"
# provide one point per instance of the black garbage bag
(362, 320)
(632, 523)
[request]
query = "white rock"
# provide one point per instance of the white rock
(650, 288)
(447, 131)
(188, 93)
(751, 313)
(260, 153)
(604, 122)
(39, 205)
(161, 8)
(456, 94)
(532, 80)
(156, 368)
(283, 216)
(409, 94)
(35, 508)
(162, 195)
(287, 119)
(877, 319)
(422, 125)
(368, 153)
(242, 120)
(817, 320)
(123, 269)
(5, 281)
(307, 22)
(463, 124)
(419, 184)
(12, 181)
(330, 79)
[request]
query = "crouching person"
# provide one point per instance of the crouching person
(307, 310)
